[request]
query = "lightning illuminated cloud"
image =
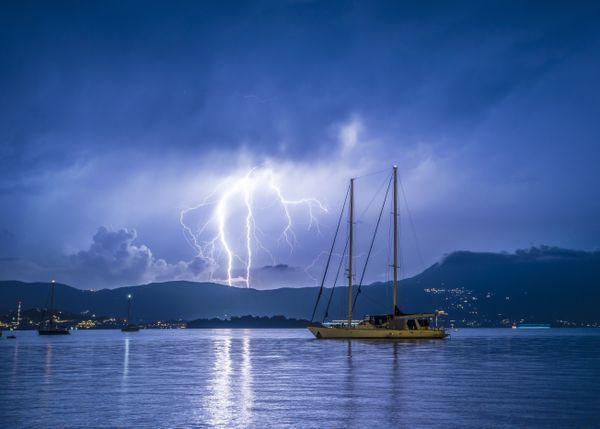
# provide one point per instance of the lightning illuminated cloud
(212, 239)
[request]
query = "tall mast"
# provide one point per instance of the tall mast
(129, 308)
(52, 287)
(351, 216)
(395, 237)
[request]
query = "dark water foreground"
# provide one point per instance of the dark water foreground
(284, 378)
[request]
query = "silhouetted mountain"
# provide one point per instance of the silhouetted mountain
(165, 301)
(538, 285)
(544, 284)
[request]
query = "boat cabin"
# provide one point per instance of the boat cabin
(405, 321)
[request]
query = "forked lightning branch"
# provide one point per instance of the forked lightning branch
(213, 237)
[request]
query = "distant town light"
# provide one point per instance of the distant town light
(128, 296)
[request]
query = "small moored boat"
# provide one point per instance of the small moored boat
(129, 327)
(51, 327)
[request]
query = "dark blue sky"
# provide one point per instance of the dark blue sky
(115, 116)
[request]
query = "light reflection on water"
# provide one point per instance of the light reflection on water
(246, 394)
(48, 363)
(285, 378)
(15, 363)
(124, 384)
(220, 403)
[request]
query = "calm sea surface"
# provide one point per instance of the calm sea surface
(284, 378)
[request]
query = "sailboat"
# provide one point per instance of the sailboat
(129, 327)
(51, 328)
(397, 325)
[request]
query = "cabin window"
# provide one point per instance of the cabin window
(378, 320)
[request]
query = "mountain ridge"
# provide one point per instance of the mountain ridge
(544, 284)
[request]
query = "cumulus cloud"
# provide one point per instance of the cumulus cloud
(113, 258)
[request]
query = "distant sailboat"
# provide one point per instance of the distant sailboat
(129, 327)
(397, 325)
(51, 328)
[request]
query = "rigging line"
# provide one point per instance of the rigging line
(342, 259)
(358, 221)
(379, 189)
(412, 225)
(389, 253)
(362, 276)
(330, 253)
(371, 174)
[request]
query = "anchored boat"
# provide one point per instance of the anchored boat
(129, 327)
(51, 327)
(397, 325)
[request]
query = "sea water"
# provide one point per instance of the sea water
(477, 378)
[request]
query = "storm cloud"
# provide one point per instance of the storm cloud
(124, 113)
(113, 259)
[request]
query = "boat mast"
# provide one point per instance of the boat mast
(129, 308)
(351, 216)
(395, 237)
(52, 287)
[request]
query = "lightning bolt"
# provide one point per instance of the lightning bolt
(288, 233)
(235, 192)
(221, 214)
(204, 250)
(249, 230)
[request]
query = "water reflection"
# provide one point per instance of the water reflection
(48, 380)
(246, 393)
(220, 399)
(48, 363)
(205, 378)
(15, 362)
(395, 399)
(125, 363)
(349, 387)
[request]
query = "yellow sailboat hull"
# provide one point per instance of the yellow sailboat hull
(373, 333)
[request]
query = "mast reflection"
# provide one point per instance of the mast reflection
(349, 388)
(48, 363)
